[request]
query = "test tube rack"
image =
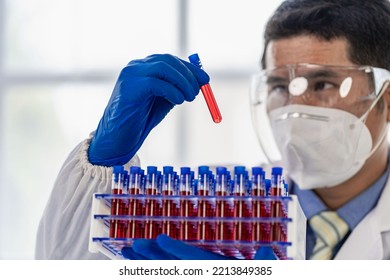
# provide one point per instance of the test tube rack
(231, 217)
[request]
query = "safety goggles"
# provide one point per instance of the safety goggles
(349, 88)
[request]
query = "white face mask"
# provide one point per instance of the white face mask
(320, 147)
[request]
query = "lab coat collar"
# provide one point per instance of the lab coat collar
(365, 241)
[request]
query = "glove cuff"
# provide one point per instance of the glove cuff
(134, 161)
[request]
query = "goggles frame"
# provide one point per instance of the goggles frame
(379, 76)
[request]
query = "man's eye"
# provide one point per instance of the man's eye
(323, 86)
(278, 89)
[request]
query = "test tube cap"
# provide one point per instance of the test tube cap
(167, 169)
(194, 59)
(151, 169)
(185, 170)
(277, 171)
(118, 169)
(135, 169)
(203, 169)
(221, 170)
(256, 170)
(239, 169)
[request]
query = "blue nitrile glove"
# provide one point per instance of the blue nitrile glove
(265, 253)
(146, 90)
(166, 248)
(146, 249)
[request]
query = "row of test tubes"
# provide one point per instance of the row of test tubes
(221, 206)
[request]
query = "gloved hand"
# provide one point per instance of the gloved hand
(146, 90)
(166, 248)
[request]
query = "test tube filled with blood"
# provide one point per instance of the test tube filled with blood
(151, 203)
(258, 207)
(169, 208)
(205, 208)
(207, 92)
(116, 189)
(123, 204)
(242, 207)
(277, 190)
(223, 209)
(187, 205)
(135, 207)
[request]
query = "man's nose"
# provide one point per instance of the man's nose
(302, 99)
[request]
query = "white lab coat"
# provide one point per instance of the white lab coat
(370, 240)
(63, 232)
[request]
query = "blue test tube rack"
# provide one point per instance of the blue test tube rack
(229, 212)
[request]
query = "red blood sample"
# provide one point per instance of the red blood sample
(115, 228)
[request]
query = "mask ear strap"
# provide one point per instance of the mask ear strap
(383, 89)
(364, 118)
(379, 142)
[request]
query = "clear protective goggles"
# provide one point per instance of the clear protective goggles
(349, 88)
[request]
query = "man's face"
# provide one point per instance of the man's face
(309, 49)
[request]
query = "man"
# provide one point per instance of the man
(327, 107)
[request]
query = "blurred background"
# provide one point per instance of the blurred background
(59, 60)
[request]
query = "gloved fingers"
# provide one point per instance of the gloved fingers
(160, 88)
(186, 252)
(151, 250)
(141, 90)
(200, 75)
(265, 253)
(179, 73)
(128, 253)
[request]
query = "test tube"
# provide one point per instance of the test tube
(187, 205)
(277, 190)
(242, 230)
(223, 209)
(207, 92)
(123, 204)
(284, 211)
(169, 208)
(205, 229)
(258, 206)
(135, 207)
(151, 203)
(116, 189)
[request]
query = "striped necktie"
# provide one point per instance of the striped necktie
(329, 229)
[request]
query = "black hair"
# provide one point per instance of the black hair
(365, 24)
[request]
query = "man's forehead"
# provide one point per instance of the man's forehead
(307, 49)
